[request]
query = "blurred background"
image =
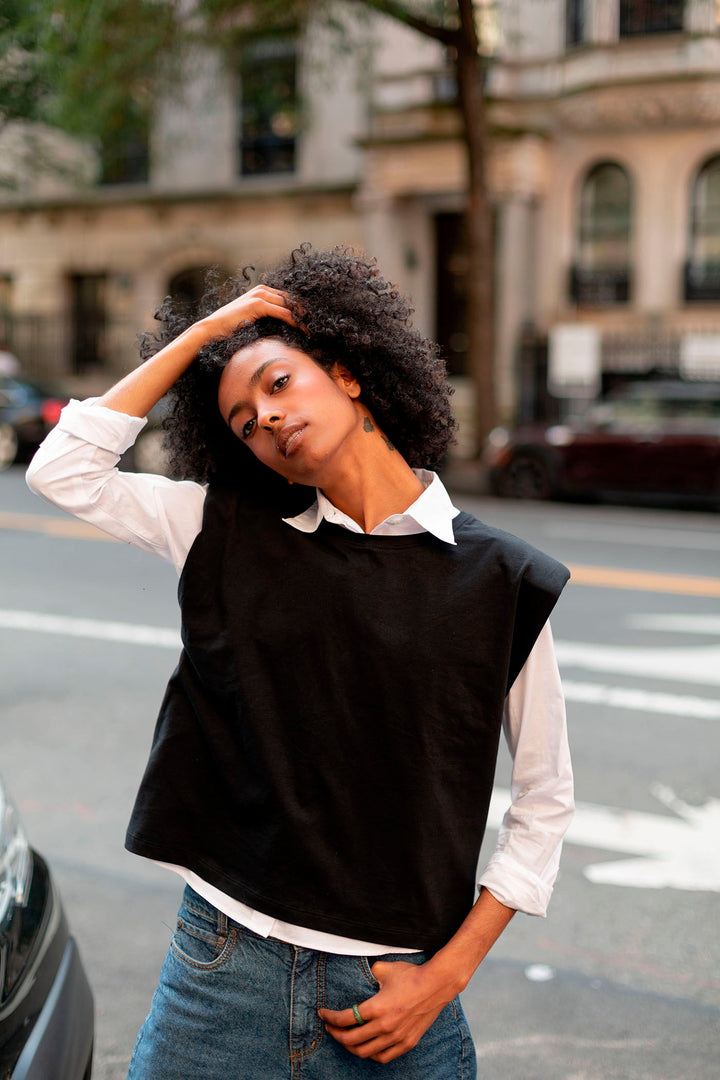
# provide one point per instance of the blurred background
(543, 178)
(145, 144)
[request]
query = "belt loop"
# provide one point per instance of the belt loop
(222, 923)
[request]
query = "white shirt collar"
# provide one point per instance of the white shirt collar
(431, 512)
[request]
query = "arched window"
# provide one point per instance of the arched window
(702, 274)
(188, 286)
(601, 274)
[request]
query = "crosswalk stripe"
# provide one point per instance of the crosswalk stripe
(637, 700)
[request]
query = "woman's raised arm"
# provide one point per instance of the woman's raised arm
(143, 387)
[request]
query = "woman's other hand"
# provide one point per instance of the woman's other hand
(410, 999)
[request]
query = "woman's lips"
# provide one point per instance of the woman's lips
(289, 439)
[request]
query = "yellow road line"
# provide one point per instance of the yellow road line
(609, 577)
(52, 526)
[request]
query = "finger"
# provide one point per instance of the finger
(345, 1018)
(284, 298)
(378, 1050)
(362, 1043)
(265, 292)
(354, 1036)
(384, 1057)
(286, 314)
(276, 311)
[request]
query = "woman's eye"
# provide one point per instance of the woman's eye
(246, 429)
(280, 382)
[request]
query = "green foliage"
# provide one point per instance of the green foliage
(85, 65)
(22, 83)
(94, 68)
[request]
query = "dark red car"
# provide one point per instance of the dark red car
(656, 437)
(28, 410)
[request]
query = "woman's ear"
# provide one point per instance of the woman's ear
(346, 379)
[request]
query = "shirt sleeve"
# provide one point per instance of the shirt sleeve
(522, 871)
(75, 469)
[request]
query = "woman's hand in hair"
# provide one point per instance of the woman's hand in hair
(261, 302)
(142, 388)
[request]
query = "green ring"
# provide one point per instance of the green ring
(358, 1018)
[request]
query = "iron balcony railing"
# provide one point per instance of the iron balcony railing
(650, 16)
(701, 282)
(599, 287)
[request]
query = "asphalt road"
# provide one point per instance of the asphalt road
(622, 979)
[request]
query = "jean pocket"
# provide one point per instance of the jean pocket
(200, 944)
(366, 963)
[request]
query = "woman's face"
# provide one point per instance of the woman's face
(297, 418)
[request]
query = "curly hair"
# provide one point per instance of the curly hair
(350, 316)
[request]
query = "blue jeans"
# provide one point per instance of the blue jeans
(231, 1005)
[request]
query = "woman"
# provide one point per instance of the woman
(323, 760)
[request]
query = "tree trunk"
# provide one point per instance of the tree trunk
(469, 67)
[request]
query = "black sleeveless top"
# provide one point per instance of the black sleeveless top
(326, 748)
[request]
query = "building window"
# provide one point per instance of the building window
(650, 16)
(601, 273)
(268, 108)
(702, 270)
(125, 149)
(575, 32)
(188, 287)
(88, 321)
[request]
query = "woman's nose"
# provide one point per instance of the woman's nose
(270, 417)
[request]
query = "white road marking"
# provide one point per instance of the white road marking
(671, 852)
(677, 624)
(98, 629)
(630, 534)
(630, 697)
(679, 853)
(619, 697)
(539, 973)
(687, 664)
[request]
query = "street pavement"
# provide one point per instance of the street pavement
(623, 977)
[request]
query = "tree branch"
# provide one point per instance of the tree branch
(399, 12)
(468, 29)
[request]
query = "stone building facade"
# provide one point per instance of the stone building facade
(605, 174)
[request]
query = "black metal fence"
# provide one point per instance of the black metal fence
(49, 347)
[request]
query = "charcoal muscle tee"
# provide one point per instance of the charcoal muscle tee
(326, 747)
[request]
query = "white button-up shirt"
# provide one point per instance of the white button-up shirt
(75, 468)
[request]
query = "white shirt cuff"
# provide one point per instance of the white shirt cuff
(516, 886)
(106, 428)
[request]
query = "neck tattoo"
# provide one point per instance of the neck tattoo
(369, 426)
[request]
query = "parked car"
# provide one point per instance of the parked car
(148, 454)
(647, 438)
(46, 1005)
(27, 412)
